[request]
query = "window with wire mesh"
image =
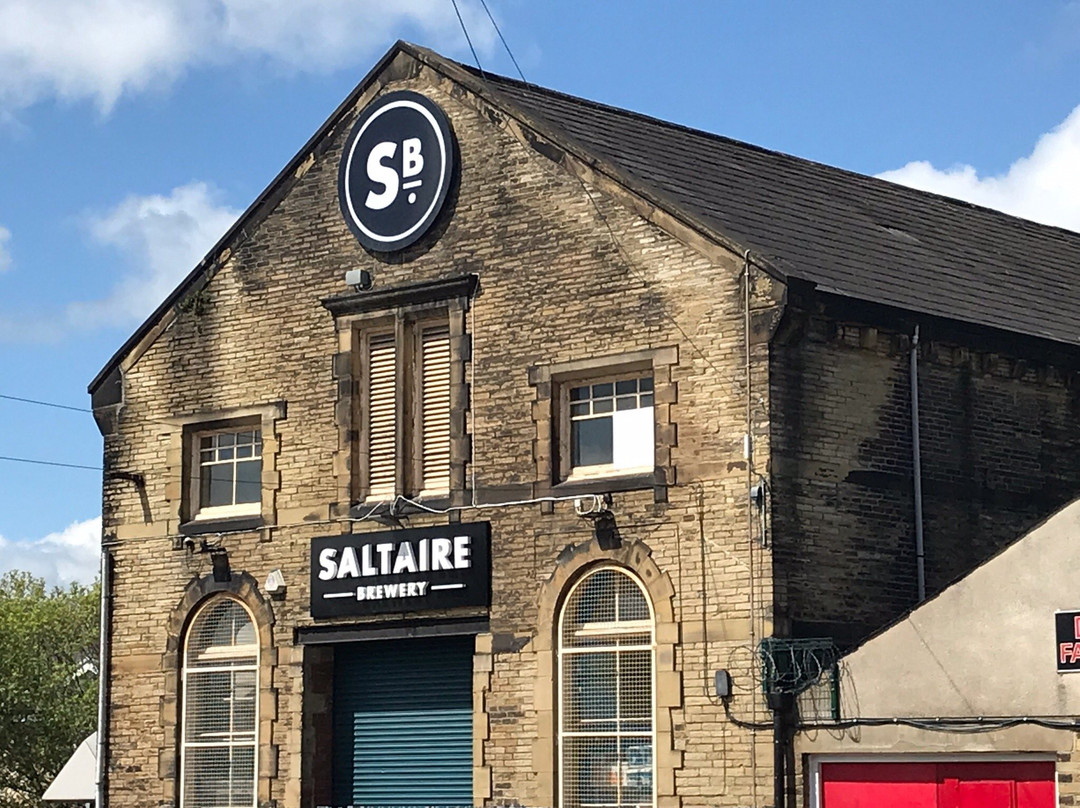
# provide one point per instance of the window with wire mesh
(220, 708)
(229, 472)
(606, 730)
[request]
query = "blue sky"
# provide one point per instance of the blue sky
(132, 132)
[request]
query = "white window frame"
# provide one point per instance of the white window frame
(572, 473)
(200, 511)
(597, 630)
(187, 671)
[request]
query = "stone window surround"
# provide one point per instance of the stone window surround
(244, 589)
(357, 313)
(551, 444)
(636, 557)
(181, 458)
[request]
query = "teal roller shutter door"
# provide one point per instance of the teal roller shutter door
(403, 722)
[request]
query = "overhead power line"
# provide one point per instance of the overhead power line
(45, 403)
(467, 37)
(49, 463)
(509, 52)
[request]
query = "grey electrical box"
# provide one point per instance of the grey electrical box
(723, 685)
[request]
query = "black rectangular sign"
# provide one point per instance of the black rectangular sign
(412, 570)
(1067, 628)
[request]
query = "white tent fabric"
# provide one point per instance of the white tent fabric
(77, 781)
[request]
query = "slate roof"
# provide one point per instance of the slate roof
(848, 234)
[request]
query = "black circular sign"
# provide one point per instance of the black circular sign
(396, 170)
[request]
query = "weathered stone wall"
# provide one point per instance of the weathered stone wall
(554, 289)
(999, 440)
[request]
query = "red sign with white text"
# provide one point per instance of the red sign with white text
(1067, 628)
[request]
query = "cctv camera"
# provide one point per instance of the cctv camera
(189, 544)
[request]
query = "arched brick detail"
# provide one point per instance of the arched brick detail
(244, 588)
(572, 563)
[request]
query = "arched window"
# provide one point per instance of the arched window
(218, 751)
(606, 726)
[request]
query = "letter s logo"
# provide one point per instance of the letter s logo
(382, 175)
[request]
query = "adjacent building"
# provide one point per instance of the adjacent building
(512, 449)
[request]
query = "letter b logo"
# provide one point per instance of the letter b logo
(396, 171)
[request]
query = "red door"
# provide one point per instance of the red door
(986, 784)
(879, 785)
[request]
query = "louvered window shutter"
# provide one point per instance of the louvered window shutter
(382, 417)
(435, 397)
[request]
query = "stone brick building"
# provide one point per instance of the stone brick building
(502, 422)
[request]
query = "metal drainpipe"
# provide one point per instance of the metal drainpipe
(103, 675)
(916, 464)
(779, 756)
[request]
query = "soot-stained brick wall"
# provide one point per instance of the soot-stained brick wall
(553, 289)
(999, 440)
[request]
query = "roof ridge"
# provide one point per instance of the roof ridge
(600, 106)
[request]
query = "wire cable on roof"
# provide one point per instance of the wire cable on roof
(509, 52)
(468, 38)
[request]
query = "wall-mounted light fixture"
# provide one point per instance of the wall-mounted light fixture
(219, 560)
(358, 279)
(275, 584)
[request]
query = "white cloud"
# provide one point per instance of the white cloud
(326, 34)
(162, 238)
(1041, 186)
(5, 254)
(60, 558)
(104, 49)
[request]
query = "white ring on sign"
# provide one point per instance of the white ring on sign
(442, 170)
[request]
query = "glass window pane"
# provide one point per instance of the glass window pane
(589, 771)
(626, 403)
(225, 454)
(208, 711)
(645, 384)
(647, 401)
(206, 456)
(249, 481)
(590, 702)
(591, 442)
(626, 386)
(579, 393)
(635, 687)
(216, 486)
(602, 405)
(206, 442)
(632, 603)
(243, 451)
(226, 439)
(579, 409)
(635, 755)
(602, 390)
